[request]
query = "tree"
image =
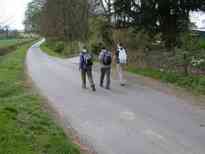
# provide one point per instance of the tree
(170, 17)
(33, 16)
(65, 19)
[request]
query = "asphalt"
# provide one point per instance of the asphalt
(134, 119)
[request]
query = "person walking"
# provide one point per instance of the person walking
(121, 60)
(86, 63)
(105, 58)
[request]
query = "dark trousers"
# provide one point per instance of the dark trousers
(87, 73)
(105, 72)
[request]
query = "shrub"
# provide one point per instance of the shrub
(201, 85)
(194, 83)
(95, 48)
(59, 47)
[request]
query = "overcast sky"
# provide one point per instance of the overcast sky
(12, 12)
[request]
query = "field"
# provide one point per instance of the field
(10, 42)
(24, 126)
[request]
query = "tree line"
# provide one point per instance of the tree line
(68, 19)
(58, 19)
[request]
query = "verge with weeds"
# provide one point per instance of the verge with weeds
(193, 83)
(25, 128)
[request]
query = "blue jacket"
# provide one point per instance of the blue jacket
(82, 65)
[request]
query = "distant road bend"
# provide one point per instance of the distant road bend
(134, 119)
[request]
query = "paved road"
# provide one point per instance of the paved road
(130, 120)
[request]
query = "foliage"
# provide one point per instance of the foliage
(47, 47)
(60, 19)
(25, 128)
(195, 83)
(65, 19)
(190, 52)
(33, 16)
(60, 48)
(99, 34)
(139, 40)
(167, 17)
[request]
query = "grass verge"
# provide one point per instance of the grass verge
(24, 127)
(7, 45)
(60, 49)
(9, 42)
(193, 83)
(46, 47)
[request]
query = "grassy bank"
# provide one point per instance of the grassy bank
(4, 43)
(7, 45)
(60, 49)
(193, 83)
(24, 127)
(50, 51)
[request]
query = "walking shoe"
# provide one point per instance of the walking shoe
(122, 84)
(108, 88)
(93, 87)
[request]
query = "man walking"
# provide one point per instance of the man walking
(105, 59)
(86, 63)
(121, 60)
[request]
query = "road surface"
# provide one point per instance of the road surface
(134, 119)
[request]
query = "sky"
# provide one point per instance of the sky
(12, 13)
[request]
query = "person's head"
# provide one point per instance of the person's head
(103, 48)
(84, 49)
(119, 45)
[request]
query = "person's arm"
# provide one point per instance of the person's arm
(81, 62)
(117, 55)
(100, 56)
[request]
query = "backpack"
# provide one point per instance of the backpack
(122, 56)
(107, 58)
(88, 61)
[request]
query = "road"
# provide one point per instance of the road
(134, 119)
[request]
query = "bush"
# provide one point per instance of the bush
(100, 33)
(95, 48)
(201, 85)
(202, 43)
(59, 47)
(194, 83)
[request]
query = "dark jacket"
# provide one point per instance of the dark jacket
(101, 55)
(82, 65)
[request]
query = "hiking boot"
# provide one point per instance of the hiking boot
(122, 84)
(93, 87)
(108, 88)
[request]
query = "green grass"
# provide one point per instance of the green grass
(60, 49)
(50, 50)
(24, 127)
(193, 83)
(4, 43)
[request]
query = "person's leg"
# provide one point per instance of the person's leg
(83, 77)
(102, 76)
(90, 78)
(120, 73)
(108, 72)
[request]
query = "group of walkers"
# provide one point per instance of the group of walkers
(105, 58)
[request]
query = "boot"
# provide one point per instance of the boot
(93, 87)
